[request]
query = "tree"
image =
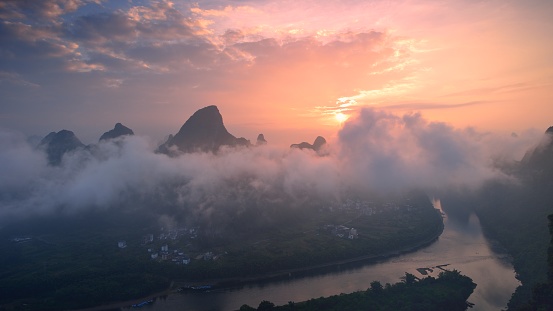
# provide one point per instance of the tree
(376, 287)
(409, 278)
(245, 307)
(265, 305)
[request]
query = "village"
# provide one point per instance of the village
(350, 206)
(159, 249)
(360, 208)
(170, 245)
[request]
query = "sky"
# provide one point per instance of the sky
(291, 70)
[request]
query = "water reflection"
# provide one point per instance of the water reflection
(462, 246)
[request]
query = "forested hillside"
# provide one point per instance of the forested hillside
(514, 212)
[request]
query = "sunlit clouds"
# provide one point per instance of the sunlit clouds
(288, 69)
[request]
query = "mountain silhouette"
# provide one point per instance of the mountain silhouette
(203, 131)
(118, 130)
(316, 146)
(57, 144)
(260, 140)
(542, 155)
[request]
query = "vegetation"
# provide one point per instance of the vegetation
(307, 243)
(521, 226)
(515, 214)
(542, 294)
(75, 262)
(447, 292)
(74, 266)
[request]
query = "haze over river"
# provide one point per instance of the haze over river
(461, 246)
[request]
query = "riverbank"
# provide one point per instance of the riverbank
(123, 304)
(221, 283)
(386, 227)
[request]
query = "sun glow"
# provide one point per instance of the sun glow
(340, 117)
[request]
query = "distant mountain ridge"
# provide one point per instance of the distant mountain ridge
(203, 131)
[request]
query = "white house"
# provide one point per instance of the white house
(208, 256)
(148, 238)
(353, 234)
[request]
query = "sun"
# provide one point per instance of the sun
(340, 117)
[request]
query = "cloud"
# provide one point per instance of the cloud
(155, 37)
(428, 106)
(376, 152)
(39, 36)
(46, 9)
(15, 79)
(21, 166)
(103, 27)
(114, 175)
(232, 36)
(384, 151)
(30, 49)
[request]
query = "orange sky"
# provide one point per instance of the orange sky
(282, 68)
(482, 64)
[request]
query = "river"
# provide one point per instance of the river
(461, 246)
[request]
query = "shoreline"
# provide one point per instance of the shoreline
(224, 283)
(128, 303)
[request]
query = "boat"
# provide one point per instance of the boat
(195, 288)
(142, 304)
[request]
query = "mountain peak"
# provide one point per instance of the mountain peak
(203, 131)
(118, 130)
(318, 143)
(260, 140)
(316, 146)
(57, 144)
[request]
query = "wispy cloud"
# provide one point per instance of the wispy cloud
(15, 79)
(509, 88)
(431, 106)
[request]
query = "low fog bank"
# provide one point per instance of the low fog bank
(376, 152)
(387, 152)
(127, 173)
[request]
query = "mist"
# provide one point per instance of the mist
(375, 152)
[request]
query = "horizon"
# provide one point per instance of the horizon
(292, 71)
(511, 146)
